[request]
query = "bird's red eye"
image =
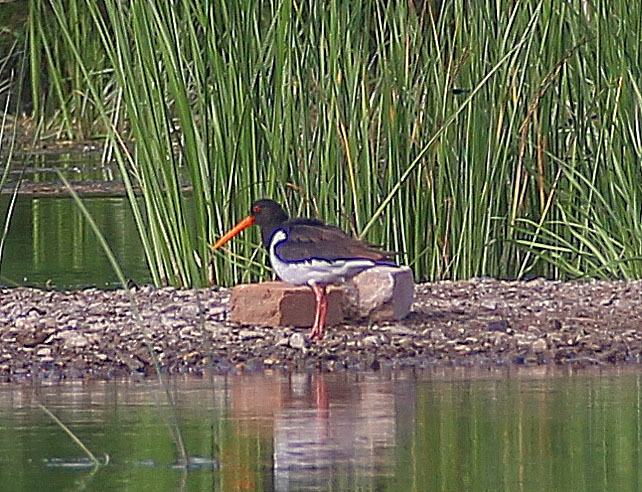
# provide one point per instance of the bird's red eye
(256, 209)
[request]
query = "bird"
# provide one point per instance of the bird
(305, 251)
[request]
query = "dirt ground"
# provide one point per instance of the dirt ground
(53, 335)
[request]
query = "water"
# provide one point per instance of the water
(441, 430)
(49, 242)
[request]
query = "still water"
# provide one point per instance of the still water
(50, 244)
(455, 430)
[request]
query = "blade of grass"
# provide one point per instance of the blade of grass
(180, 443)
(71, 434)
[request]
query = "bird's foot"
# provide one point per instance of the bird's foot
(316, 333)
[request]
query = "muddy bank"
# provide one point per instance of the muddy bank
(93, 333)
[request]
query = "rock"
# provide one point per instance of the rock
(249, 334)
(31, 338)
(501, 325)
(538, 345)
(371, 341)
(398, 330)
(489, 304)
(280, 304)
(380, 293)
(297, 341)
(76, 341)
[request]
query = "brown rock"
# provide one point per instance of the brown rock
(280, 304)
(381, 293)
(538, 345)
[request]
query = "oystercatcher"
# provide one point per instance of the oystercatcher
(308, 252)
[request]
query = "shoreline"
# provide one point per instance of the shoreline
(51, 335)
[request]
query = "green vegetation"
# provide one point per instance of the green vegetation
(7, 138)
(487, 138)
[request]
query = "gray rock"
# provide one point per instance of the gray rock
(371, 341)
(381, 293)
(76, 341)
(249, 334)
(297, 341)
(489, 304)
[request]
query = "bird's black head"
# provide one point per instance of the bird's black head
(267, 212)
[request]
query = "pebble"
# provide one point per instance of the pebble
(94, 333)
(297, 341)
(76, 341)
(489, 304)
(539, 345)
(370, 341)
(250, 334)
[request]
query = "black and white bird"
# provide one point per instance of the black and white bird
(308, 252)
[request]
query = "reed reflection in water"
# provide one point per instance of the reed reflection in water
(402, 431)
(50, 244)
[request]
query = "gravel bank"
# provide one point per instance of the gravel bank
(95, 334)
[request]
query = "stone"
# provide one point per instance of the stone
(297, 341)
(489, 304)
(380, 294)
(501, 325)
(280, 304)
(538, 345)
(371, 341)
(76, 341)
(249, 334)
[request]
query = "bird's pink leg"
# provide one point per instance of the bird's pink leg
(317, 303)
(323, 314)
(320, 311)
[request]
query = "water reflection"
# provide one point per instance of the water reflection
(50, 244)
(288, 432)
(323, 427)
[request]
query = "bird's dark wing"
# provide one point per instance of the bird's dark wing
(311, 238)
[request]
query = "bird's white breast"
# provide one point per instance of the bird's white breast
(313, 270)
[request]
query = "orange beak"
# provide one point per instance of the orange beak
(244, 224)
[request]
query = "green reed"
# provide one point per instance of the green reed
(501, 138)
(8, 135)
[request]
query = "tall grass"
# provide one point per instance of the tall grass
(8, 135)
(494, 138)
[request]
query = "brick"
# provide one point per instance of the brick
(280, 304)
